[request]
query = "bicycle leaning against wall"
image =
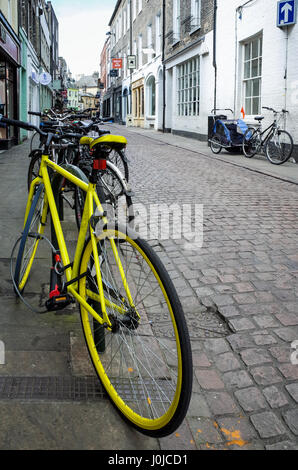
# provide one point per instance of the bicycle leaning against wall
(276, 143)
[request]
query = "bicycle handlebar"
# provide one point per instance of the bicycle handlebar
(31, 127)
(274, 111)
(22, 124)
(33, 113)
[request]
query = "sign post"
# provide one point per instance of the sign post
(286, 13)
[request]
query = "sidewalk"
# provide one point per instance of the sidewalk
(259, 164)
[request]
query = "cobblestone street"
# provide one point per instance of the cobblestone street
(239, 293)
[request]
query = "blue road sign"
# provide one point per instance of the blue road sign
(286, 13)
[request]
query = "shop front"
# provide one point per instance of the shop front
(106, 106)
(9, 63)
(118, 104)
(138, 103)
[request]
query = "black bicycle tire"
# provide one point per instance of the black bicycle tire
(290, 153)
(124, 163)
(34, 156)
(80, 200)
(19, 258)
(216, 152)
(254, 131)
(187, 367)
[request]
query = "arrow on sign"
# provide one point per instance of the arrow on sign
(286, 9)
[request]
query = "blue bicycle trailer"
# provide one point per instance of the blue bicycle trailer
(228, 134)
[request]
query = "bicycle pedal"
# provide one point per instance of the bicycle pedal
(59, 302)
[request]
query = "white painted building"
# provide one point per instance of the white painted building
(180, 119)
(257, 62)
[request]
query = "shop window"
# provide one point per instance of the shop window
(188, 88)
(151, 90)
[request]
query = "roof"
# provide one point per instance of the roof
(115, 11)
(87, 81)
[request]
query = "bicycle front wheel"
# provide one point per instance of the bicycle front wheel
(145, 362)
(279, 147)
(34, 229)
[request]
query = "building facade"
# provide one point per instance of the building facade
(261, 68)
(28, 37)
(136, 33)
(10, 59)
(188, 62)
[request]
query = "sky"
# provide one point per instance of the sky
(83, 25)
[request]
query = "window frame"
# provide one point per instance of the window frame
(176, 21)
(251, 79)
(151, 110)
(189, 87)
(196, 15)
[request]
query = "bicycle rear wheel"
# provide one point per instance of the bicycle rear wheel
(145, 363)
(279, 147)
(251, 142)
(119, 159)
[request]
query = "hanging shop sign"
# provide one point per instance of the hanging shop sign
(114, 73)
(45, 78)
(9, 45)
(116, 64)
(35, 77)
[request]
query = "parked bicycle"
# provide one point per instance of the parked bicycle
(276, 143)
(80, 122)
(132, 318)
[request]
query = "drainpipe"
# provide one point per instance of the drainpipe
(164, 65)
(286, 74)
(214, 54)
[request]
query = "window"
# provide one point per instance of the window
(134, 9)
(176, 21)
(158, 35)
(151, 90)
(124, 21)
(188, 88)
(135, 48)
(128, 15)
(9, 12)
(140, 51)
(252, 75)
(149, 41)
(195, 14)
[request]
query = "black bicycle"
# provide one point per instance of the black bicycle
(276, 143)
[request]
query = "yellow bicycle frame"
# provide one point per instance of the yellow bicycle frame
(73, 272)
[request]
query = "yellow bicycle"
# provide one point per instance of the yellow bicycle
(132, 318)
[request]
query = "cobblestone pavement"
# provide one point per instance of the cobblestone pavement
(239, 293)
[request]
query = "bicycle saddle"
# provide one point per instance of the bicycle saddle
(259, 118)
(112, 141)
